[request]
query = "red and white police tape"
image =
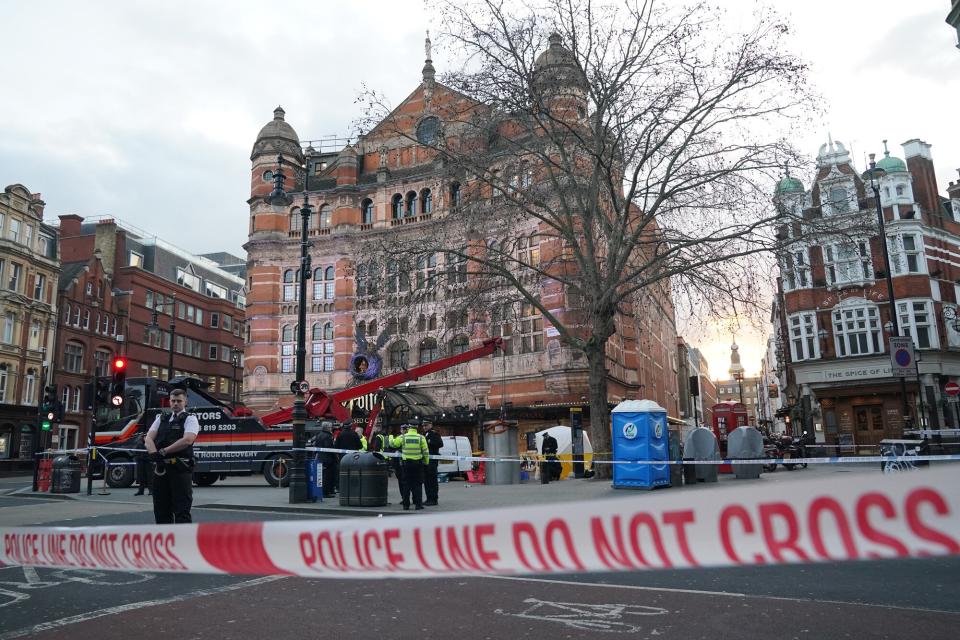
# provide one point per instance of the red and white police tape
(861, 518)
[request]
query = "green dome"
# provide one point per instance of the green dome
(789, 184)
(890, 164)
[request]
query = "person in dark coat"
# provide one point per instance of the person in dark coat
(346, 439)
(549, 448)
(430, 483)
(328, 459)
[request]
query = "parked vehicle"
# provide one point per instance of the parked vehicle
(455, 446)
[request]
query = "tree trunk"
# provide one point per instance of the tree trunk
(600, 432)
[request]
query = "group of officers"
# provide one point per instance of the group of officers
(417, 444)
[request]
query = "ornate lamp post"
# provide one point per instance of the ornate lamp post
(298, 484)
(235, 354)
(873, 175)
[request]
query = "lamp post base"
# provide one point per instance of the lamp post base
(297, 472)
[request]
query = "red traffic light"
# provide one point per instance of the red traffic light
(119, 364)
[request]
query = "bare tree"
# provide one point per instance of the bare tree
(603, 153)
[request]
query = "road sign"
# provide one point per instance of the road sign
(952, 389)
(901, 357)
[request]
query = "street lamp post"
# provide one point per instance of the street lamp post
(235, 353)
(296, 474)
(155, 326)
(873, 175)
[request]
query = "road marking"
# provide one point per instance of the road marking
(633, 587)
(587, 617)
(109, 611)
(730, 594)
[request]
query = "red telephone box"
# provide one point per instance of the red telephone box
(727, 416)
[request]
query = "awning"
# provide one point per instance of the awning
(399, 405)
(676, 421)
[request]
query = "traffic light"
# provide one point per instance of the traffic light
(102, 392)
(48, 407)
(119, 381)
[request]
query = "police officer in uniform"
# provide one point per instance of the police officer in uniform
(434, 444)
(169, 444)
(414, 455)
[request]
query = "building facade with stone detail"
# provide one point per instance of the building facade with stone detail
(131, 293)
(383, 184)
(29, 268)
(832, 311)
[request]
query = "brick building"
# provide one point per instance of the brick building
(28, 273)
(134, 294)
(366, 190)
(694, 410)
(833, 308)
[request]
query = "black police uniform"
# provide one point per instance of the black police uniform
(552, 467)
(430, 484)
(173, 476)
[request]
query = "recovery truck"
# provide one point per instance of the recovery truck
(230, 443)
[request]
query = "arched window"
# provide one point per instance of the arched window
(422, 323)
(396, 206)
(459, 344)
(65, 397)
(432, 322)
(399, 355)
(372, 328)
(76, 399)
(289, 288)
(411, 203)
(361, 280)
(361, 329)
(838, 200)
(321, 353)
(900, 189)
(366, 212)
(323, 283)
(426, 201)
(428, 350)
(66, 314)
(326, 211)
(73, 357)
(295, 220)
(286, 334)
(455, 195)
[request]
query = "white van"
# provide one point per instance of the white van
(455, 446)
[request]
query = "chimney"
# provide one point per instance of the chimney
(70, 225)
(920, 164)
(106, 243)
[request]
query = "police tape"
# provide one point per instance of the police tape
(914, 515)
(718, 461)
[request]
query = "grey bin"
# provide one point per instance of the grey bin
(745, 443)
(65, 475)
(363, 480)
(701, 444)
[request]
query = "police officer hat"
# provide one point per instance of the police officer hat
(413, 422)
(326, 425)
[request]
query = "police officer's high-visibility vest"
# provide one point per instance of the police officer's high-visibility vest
(363, 442)
(413, 446)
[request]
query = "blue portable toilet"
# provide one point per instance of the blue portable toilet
(640, 433)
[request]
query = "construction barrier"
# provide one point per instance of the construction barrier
(914, 515)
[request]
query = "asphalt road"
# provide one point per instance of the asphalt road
(897, 599)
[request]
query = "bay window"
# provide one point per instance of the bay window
(803, 336)
(917, 321)
(856, 330)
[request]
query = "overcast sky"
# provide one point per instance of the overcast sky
(146, 111)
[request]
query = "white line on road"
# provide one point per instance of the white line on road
(109, 611)
(729, 594)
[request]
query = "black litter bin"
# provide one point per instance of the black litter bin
(363, 480)
(65, 476)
